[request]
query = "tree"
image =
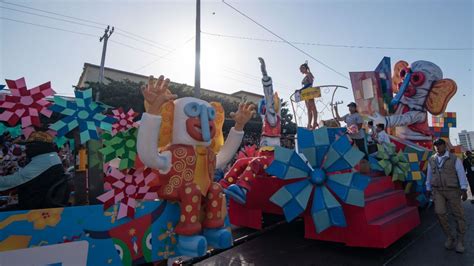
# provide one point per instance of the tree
(127, 94)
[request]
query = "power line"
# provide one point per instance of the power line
(337, 45)
(165, 55)
(124, 34)
(65, 20)
(49, 27)
(80, 33)
(53, 13)
(289, 43)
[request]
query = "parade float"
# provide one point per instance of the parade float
(325, 179)
(160, 200)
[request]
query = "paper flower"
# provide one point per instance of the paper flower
(391, 162)
(331, 159)
(82, 112)
(14, 131)
(124, 120)
(123, 146)
(127, 187)
(24, 104)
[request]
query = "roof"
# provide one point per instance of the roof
(248, 93)
(86, 65)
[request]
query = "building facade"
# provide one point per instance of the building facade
(90, 73)
(466, 138)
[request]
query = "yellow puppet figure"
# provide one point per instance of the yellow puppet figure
(188, 132)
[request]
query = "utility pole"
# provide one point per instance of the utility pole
(105, 38)
(197, 69)
(95, 174)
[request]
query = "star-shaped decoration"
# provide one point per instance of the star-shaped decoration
(124, 120)
(123, 146)
(82, 112)
(127, 187)
(392, 163)
(14, 131)
(24, 104)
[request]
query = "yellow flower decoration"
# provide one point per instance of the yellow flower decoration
(44, 217)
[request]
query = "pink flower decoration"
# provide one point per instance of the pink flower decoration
(24, 104)
(127, 187)
(124, 120)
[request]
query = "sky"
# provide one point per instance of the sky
(162, 42)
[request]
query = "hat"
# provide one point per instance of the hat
(439, 142)
(352, 104)
(38, 136)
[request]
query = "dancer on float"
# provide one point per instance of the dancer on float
(310, 104)
(238, 181)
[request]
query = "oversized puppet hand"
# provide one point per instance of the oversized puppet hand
(262, 66)
(378, 119)
(243, 115)
(156, 93)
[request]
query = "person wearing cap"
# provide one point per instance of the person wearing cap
(35, 179)
(469, 168)
(447, 183)
(353, 120)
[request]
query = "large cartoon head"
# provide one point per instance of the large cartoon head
(192, 121)
(422, 86)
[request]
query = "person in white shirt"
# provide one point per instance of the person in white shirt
(381, 137)
(447, 182)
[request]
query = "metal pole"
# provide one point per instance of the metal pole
(197, 70)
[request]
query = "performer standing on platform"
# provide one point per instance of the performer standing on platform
(310, 104)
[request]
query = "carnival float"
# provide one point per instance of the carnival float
(160, 198)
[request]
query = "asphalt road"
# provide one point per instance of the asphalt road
(285, 245)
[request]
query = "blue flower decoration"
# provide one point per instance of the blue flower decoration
(82, 112)
(323, 168)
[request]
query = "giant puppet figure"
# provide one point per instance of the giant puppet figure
(237, 182)
(189, 134)
(421, 88)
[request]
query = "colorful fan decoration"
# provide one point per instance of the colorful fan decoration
(123, 146)
(331, 158)
(82, 112)
(127, 187)
(124, 120)
(14, 131)
(391, 162)
(25, 105)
